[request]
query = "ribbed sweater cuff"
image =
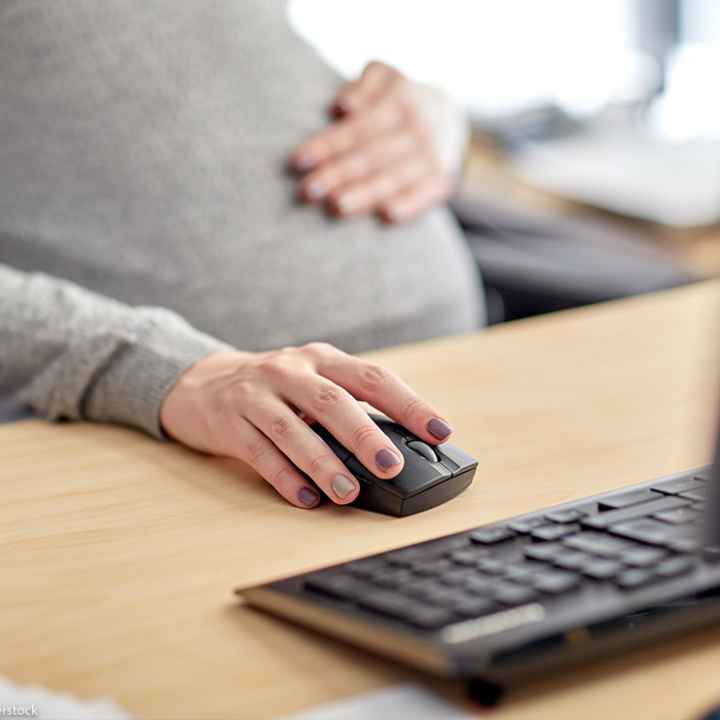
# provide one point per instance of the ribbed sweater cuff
(132, 386)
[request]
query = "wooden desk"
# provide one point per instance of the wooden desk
(119, 553)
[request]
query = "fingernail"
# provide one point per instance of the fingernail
(342, 486)
(386, 459)
(308, 497)
(346, 203)
(304, 161)
(438, 428)
(315, 190)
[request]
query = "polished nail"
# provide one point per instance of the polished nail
(315, 190)
(346, 203)
(343, 486)
(308, 497)
(304, 161)
(386, 459)
(438, 428)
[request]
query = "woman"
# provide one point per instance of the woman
(145, 147)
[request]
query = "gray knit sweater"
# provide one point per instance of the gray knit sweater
(143, 148)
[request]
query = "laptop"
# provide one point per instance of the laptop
(496, 605)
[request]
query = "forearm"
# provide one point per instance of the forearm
(69, 353)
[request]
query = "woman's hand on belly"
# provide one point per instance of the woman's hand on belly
(259, 407)
(395, 148)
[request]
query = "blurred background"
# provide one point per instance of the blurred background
(595, 163)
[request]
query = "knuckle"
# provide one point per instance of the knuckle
(318, 464)
(279, 427)
(280, 478)
(326, 396)
(318, 349)
(360, 436)
(372, 377)
(256, 450)
(413, 407)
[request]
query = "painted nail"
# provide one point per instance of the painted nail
(342, 486)
(386, 459)
(304, 161)
(438, 428)
(308, 497)
(315, 190)
(346, 203)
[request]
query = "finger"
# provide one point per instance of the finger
(305, 448)
(356, 164)
(388, 393)
(367, 193)
(258, 452)
(338, 411)
(375, 78)
(345, 134)
(412, 201)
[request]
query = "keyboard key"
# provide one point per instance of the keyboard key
(554, 532)
(467, 557)
(366, 567)
(672, 567)
(673, 487)
(474, 606)
(631, 579)
(338, 585)
(624, 499)
(556, 582)
(643, 557)
(603, 569)
(431, 568)
(565, 516)
(596, 543)
(420, 588)
(526, 525)
(384, 603)
(490, 536)
(679, 516)
(391, 579)
(544, 551)
(405, 557)
(508, 593)
(455, 577)
(490, 566)
(611, 517)
(573, 560)
(482, 585)
(645, 530)
(523, 572)
(428, 617)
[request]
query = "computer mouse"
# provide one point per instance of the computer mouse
(432, 474)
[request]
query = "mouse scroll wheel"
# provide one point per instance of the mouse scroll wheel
(423, 449)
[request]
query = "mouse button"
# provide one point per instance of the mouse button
(417, 475)
(455, 458)
(423, 449)
(337, 447)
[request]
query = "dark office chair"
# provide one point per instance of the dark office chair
(533, 262)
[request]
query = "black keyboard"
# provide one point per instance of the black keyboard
(598, 556)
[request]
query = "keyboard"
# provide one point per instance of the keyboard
(459, 603)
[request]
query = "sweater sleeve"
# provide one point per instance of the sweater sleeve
(69, 353)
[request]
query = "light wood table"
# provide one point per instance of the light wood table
(119, 553)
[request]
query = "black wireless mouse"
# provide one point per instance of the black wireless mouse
(432, 474)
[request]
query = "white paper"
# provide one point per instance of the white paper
(37, 702)
(399, 701)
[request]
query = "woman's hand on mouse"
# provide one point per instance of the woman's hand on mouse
(259, 407)
(395, 148)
